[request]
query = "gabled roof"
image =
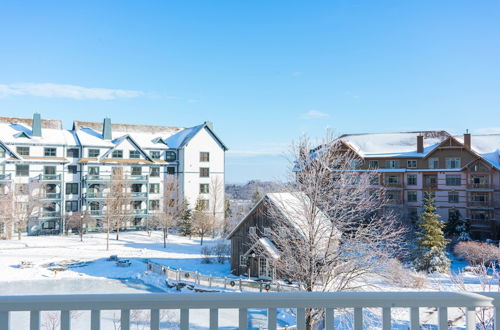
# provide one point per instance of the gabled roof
(12, 133)
(180, 139)
(119, 140)
(5, 147)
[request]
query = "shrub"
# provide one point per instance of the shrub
(397, 274)
(206, 251)
(477, 253)
(220, 250)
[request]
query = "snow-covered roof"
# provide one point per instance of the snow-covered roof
(401, 144)
(268, 246)
(487, 146)
(13, 133)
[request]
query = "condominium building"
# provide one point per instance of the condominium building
(461, 172)
(69, 170)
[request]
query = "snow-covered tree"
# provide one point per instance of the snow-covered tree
(186, 219)
(430, 255)
(457, 228)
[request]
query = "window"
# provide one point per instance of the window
(243, 260)
(411, 163)
(413, 214)
(170, 156)
(354, 164)
(49, 170)
(204, 188)
(203, 204)
(93, 153)
(154, 205)
(204, 156)
(2, 169)
(453, 180)
(71, 206)
(49, 225)
(252, 230)
(22, 189)
(267, 231)
(136, 170)
(71, 188)
(73, 153)
(22, 170)
(134, 154)
(433, 163)
(479, 179)
(373, 164)
(452, 197)
(155, 154)
(452, 162)
(479, 168)
(392, 180)
(393, 196)
(204, 172)
(49, 152)
(154, 188)
(93, 170)
(392, 163)
(412, 180)
(479, 197)
(154, 171)
(170, 170)
(23, 151)
(2, 153)
(117, 154)
(374, 180)
(412, 196)
(72, 169)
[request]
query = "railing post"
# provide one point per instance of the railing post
(301, 319)
(34, 320)
(125, 319)
(329, 325)
(95, 319)
(65, 320)
(184, 319)
(225, 282)
(210, 281)
(4, 320)
(386, 318)
(470, 318)
(241, 289)
(155, 319)
(358, 318)
(496, 318)
(414, 318)
(242, 319)
(443, 318)
(214, 319)
(271, 319)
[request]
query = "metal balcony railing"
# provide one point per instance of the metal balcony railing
(90, 195)
(49, 177)
(54, 214)
(99, 178)
(300, 301)
(51, 196)
(138, 194)
(479, 186)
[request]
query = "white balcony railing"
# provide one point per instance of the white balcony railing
(243, 301)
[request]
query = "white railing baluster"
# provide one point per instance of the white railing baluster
(301, 319)
(271, 319)
(125, 319)
(243, 319)
(214, 318)
(497, 318)
(443, 318)
(414, 318)
(184, 319)
(329, 319)
(386, 318)
(34, 320)
(470, 318)
(358, 318)
(4, 320)
(155, 319)
(65, 320)
(95, 319)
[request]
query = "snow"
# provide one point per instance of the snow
(9, 133)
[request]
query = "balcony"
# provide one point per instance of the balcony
(49, 177)
(480, 204)
(96, 212)
(140, 212)
(393, 184)
(47, 215)
(50, 196)
(107, 178)
(138, 178)
(270, 302)
(138, 195)
(479, 186)
(5, 177)
(94, 195)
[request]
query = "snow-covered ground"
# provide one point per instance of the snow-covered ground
(63, 264)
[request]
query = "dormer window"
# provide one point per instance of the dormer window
(117, 154)
(170, 156)
(155, 154)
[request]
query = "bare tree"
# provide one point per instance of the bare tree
(80, 221)
(335, 231)
(203, 221)
(6, 215)
(25, 205)
(216, 203)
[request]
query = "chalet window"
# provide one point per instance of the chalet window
(73, 152)
(134, 154)
(71, 188)
(93, 153)
(3, 189)
(203, 204)
(392, 163)
(71, 206)
(373, 164)
(452, 162)
(412, 180)
(155, 154)
(204, 188)
(479, 197)
(392, 180)
(93, 170)
(479, 179)
(252, 231)
(49, 152)
(154, 205)
(204, 172)
(411, 163)
(452, 197)
(22, 189)
(453, 212)
(243, 260)
(117, 154)
(170, 170)
(23, 151)
(154, 188)
(154, 171)
(72, 169)
(136, 170)
(2, 153)
(267, 231)
(170, 156)
(49, 170)
(453, 180)
(413, 214)
(412, 196)
(433, 162)
(22, 170)
(204, 156)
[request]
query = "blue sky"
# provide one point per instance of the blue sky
(264, 72)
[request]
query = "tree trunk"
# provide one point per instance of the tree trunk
(164, 238)
(117, 232)
(18, 234)
(81, 235)
(201, 242)
(107, 237)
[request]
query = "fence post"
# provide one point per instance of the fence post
(241, 286)
(225, 282)
(260, 287)
(210, 281)
(278, 286)
(179, 274)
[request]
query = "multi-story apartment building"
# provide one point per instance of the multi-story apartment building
(462, 172)
(70, 170)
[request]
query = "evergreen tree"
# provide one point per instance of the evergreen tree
(457, 227)
(186, 221)
(430, 255)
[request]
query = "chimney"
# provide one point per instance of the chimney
(210, 125)
(420, 144)
(106, 129)
(467, 139)
(36, 125)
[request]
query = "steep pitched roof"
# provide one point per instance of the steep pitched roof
(180, 139)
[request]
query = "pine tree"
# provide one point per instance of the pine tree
(430, 255)
(186, 221)
(457, 227)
